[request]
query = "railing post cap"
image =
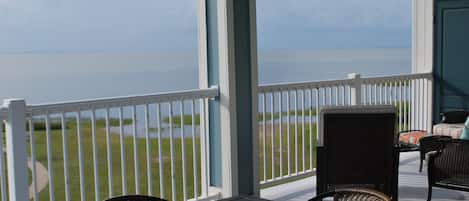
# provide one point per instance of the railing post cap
(353, 75)
(7, 102)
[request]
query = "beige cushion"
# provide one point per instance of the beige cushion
(453, 130)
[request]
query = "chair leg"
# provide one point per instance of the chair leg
(421, 164)
(429, 198)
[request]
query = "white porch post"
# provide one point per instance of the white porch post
(238, 96)
(355, 89)
(15, 128)
(422, 51)
(228, 59)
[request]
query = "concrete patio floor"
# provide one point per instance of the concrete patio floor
(412, 185)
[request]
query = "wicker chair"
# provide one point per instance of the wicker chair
(449, 167)
(353, 194)
(135, 198)
(431, 143)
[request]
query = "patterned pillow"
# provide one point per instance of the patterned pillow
(412, 137)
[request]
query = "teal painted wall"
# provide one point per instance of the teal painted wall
(214, 106)
(244, 95)
(451, 62)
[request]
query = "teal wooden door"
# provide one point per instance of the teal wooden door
(451, 56)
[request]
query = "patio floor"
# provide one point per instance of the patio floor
(412, 185)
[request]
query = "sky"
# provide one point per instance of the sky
(170, 25)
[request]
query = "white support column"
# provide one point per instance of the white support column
(355, 89)
(228, 105)
(422, 48)
(16, 150)
(422, 36)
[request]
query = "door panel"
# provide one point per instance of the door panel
(452, 55)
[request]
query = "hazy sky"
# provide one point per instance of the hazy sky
(162, 25)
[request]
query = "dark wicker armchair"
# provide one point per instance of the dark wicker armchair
(449, 167)
(431, 143)
(353, 194)
(135, 198)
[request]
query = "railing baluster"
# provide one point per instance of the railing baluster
(425, 104)
(183, 150)
(400, 104)
(386, 97)
(406, 105)
(343, 95)
(375, 93)
(122, 149)
(95, 155)
(422, 104)
(324, 103)
(380, 93)
(109, 153)
(303, 147)
(412, 105)
(364, 94)
(317, 112)
(148, 151)
(330, 95)
(80, 157)
(280, 130)
(395, 94)
(65, 156)
(160, 150)
(311, 128)
(136, 160)
(296, 131)
(337, 95)
(288, 133)
(272, 133)
(33, 161)
(171, 145)
(205, 154)
(370, 94)
(49, 158)
(194, 151)
(264, 135)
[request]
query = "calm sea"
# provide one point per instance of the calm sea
(56, 77)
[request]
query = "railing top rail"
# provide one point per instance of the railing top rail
(334, 83)
(94, 104)
(303, 85)
(394, 78)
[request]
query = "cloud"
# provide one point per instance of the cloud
(143, 25)
(333, 24)
(104, 24)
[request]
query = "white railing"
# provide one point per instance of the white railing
(288, 117)
(96, 149)
(153, 144)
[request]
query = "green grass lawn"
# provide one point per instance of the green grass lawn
(57, 156)
(58, 170)
(284, 137)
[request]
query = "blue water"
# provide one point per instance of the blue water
(41, 78)
(45, 78)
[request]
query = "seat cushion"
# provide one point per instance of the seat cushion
(453, 130)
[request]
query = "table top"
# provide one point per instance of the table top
(406, 147)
